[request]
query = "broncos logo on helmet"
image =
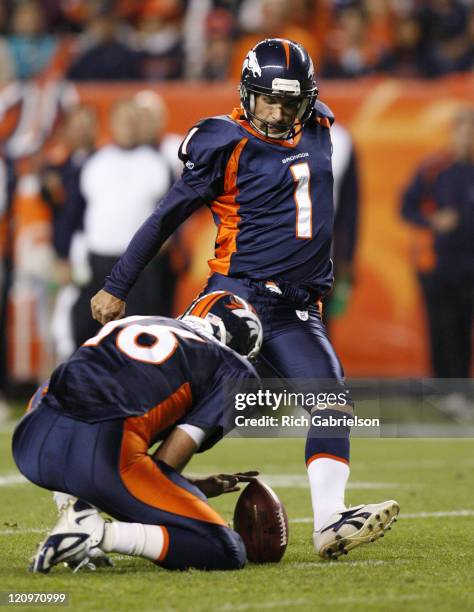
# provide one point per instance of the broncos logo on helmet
(279, 67)
(229, 319)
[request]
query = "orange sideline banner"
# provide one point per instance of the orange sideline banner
(395, 125)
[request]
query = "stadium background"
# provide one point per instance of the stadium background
(399, 111)
(396, 122)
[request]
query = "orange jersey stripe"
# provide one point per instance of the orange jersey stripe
(166, 545)
(326, 456)
(323, 121)
(147, 483)
(423, 250)
(226, 208)
(30, 403)
(161, 416)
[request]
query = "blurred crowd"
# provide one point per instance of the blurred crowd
(207, 39)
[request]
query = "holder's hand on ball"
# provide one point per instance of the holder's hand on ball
(215, 485)
(106, 307)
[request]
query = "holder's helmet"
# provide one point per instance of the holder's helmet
(278, 67)
(228, 318)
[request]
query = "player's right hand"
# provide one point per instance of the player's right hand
(106, 307)
(215, 485)
(444, 220)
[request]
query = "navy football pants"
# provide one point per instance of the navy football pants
(294, 347)
(107, 465)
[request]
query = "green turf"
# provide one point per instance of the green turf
(423, 563)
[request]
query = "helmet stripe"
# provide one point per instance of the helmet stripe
(286, 46)
(205, 304)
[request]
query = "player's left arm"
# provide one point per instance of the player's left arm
(179, 204)
(201, 182)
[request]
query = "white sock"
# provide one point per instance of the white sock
(135, 539)
(61, 498)
(327, 479)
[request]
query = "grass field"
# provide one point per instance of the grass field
(425, 563)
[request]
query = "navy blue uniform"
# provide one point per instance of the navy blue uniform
(88, 434)
(272, 201)
(445, 260)
(67, 205)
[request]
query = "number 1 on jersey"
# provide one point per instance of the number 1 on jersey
(304, 206)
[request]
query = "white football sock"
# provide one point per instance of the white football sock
(134, 539)
(62, 498)
(327, 479)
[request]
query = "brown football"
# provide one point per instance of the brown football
(261, 521)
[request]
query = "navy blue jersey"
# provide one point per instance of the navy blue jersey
(151, 365)
(67, 205)
(442, 182)
(272, 201)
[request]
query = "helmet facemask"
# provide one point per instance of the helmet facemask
(282, 68)
(270, 130)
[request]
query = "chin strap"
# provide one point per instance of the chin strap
(287, 133)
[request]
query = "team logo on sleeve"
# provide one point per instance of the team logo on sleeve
(251, 64)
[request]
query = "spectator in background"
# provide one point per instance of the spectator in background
(6, 64)
(121, 185)
(219, 45)
(7, 71)
(60, 190)
(7, 186)
(380, 21)
(270, 19)
(158, 38)
(409, 56)
(151, 129)
(105, 55)
(205, 18)
(60, 181)
(346, 205)
(439, 202)
(30, 46)
(3, 206)
(446, 25)
(4, 15)
(350, 50)
(173, 259)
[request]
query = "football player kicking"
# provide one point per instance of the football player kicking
(87, 435)
(265, 173)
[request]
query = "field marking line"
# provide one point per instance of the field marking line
(298, 481)
(368, 562)
(8, 480)
(305, 519)
(264, 605)
(7, 532)
(373, 599)
(302, 602)
(413, 515)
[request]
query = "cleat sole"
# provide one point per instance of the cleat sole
(374, 528)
